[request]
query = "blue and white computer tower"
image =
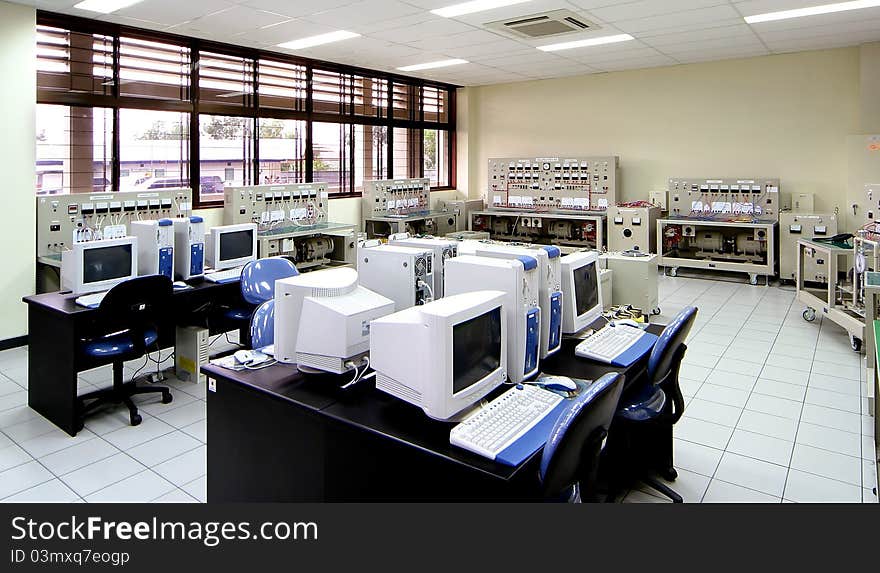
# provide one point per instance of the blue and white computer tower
(518, 279)
(155, 247)
(549, 283)
(189, 247)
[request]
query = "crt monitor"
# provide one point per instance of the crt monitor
(97, 266)
(581, 291)
(444, 356)
(231, 246)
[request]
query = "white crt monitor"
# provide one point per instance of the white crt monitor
(96, 266)
(230, 246)
(444, 356)
(289, 296)
(581, 291)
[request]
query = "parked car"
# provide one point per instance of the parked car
(211, 184)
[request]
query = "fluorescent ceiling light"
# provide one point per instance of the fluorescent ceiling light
(318, 40)
(431, 65)
(105, 6)
(812, 11)
(585, 43)
(474, 6)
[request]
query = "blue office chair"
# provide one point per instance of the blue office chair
(570, 463)
(126, 326)
(263, 325)
(642, 433)
(258, 286)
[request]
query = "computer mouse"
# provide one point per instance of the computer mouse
(559, 383)
(627, 322)
(179, 284)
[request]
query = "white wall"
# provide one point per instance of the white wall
(17, 148)
(786, 116)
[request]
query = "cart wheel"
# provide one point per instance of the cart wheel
(673, 272)
(809, 314)
(753, 280)
(855, 343)
(656, 311)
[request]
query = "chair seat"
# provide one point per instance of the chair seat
(646, 404)
(116, 344)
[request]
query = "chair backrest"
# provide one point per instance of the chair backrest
(263, 325)
(258, 278)
(135, 305)
(662, 358)
(575, 440)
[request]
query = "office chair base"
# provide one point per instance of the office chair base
(664, 489)
(120, 393)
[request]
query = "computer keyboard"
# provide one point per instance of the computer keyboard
(611, 343)
(511, 427)
(91, 300)
(224, 276)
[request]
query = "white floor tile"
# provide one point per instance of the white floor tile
(834, 400)
(752, 335)
(22, 477)
(775, 406)
(840, 385)
(752, 473)
(830, 417)
(869, 496)
(723, 395)
(141, 487)
(54, 441)
(761, 447)
(731, 380)
(702, 432)
(185, 415)
(869, 473)
(794, 350)
(867, 425)
(768, 425)
(199, 430)
(800, 363)
(53, 491)
(176, 496)
(77, 456)
(846, 357)
(12, 455)
(851, 372)
(163, 448)
(700, 360)
(30, 428)
(712, 412)
(97, 476)
(792, 392)
(694, 372)
(184, 468)
(16, 416)
(869, 448)
(828, 464)
(689, 387)
(197, 488)
(829, 439)
(129, 436)
(738, 366)
(804, 487)
(723, 492)
(784, 374)
(696, 457)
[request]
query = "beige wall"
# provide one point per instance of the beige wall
(17, 149)
(787, 116)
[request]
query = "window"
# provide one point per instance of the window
(153, 149)
(73, 149)
(226, 154)
(121, 108)
(282, 150)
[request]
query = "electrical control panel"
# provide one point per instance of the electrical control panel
(795, 226)
(754, 198)
(64, 219)
(553, 183)
(270, 206)
(396, 197)
(632, 228)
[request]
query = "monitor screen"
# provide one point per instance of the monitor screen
(476, 349)
(586, 291)
(106, 263)
(236, 245)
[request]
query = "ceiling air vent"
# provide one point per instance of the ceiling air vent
(533, 26)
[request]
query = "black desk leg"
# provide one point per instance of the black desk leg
(51, 367)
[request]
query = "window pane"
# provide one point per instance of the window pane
(436, 157)
(73, 149)
(282, 150)
(331, 93)
(332, 155)
(435, 104)
(370, 96)
(226, 80)
(282, 86)
(407, 153)
(371, 154)
(73, 62)
(153, 70)
(406, 101)
(153, 149)
(226, 154)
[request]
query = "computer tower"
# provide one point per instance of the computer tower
(403, 274)
(634, 281)
(443, 249)
(155, 247)
(633, 229)
(190, 353)
(518, 279)
(189, 247)
(794, 226)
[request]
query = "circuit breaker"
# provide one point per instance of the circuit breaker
(273, 206)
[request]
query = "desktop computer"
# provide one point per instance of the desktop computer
(231, 246)
(444, 356)
(549, 283)
(518, 279)
(96, 266)
(189, 247)
(581, 295)
(191, 346)
(155, 247)
(443, 249)
(403, 274)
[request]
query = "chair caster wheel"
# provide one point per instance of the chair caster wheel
(669, 474)
(855, 343)
(136, 419)
(167, 398)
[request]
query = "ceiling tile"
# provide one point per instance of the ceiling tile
(647, 8)
(298, 7)
(232, 21)
(740, 42)
(691, 18)
(171, 12)
(283, 32)
(429, 29)
(353, 16)
(662, 39)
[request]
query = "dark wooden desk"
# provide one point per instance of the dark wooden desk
(278, 435)
(56, 324)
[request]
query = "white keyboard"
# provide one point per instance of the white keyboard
(609, 342)
(224, 276)
(504, 420)
(91, 300)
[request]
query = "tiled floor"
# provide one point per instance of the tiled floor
(775, 412)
